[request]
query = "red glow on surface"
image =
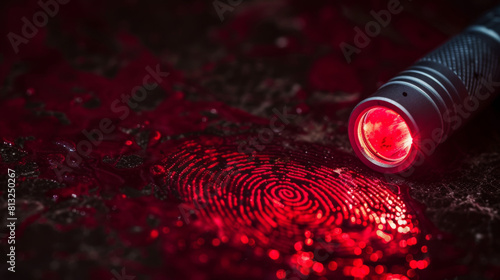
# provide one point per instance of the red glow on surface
(298, 246)
(154, 233)
(274, 254)
(244, 239)
(281, 274)
(332, 266)
(385, 135)
(424, 249)
(216, 242)
(273, 200)
(301, 209)
(413, 264)
(203, 258)
(318, 267)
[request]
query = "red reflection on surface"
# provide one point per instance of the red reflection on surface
(301, 204)
(386, 134)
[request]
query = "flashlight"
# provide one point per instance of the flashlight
(394, 129)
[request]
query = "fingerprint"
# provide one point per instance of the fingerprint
(293, 198)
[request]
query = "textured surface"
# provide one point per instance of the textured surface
(123, 208)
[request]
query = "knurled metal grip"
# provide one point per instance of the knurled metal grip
(437, 94)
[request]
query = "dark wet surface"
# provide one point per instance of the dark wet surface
(236, 163)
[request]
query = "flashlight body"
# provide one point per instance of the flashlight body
(437, 94)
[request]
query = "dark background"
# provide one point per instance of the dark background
(225, 79)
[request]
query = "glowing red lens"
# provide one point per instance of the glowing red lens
(385, 135)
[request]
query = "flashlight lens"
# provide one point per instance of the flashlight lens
(385, 135)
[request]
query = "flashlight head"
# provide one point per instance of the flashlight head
(403, 122)
(382, 135)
